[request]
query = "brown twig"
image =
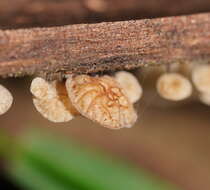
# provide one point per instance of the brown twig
(45, 13)
(90, 48)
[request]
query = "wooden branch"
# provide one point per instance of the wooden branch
(45, 13)
(91, 48)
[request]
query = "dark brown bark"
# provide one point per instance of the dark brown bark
(44, 13)
(91, 48)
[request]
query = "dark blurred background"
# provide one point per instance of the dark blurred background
(170, 140)
(39, 13)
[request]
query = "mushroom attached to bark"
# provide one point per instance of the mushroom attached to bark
(174, 87)
(130, 85)
(201, 78)
(6, 100)
(101, 99)
(51, 100)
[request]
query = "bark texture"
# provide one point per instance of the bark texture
(109, 46)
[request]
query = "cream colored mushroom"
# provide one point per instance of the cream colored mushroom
(101, 99)
(6, 100)
(201, 78)
(130, 84)
(40, 88)
(51, 100)
(174, 86)
(205, 98)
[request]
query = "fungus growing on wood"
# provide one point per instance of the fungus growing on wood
(130, 85)
(6, 100)
(201, 78)
(101, 99)
(51, 100)
(174, 87)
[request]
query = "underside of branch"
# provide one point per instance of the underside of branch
(109, 46)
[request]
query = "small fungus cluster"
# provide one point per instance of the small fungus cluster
(108, 100)
(104, 99)
(175, 87)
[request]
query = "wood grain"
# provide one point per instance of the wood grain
(109, 46)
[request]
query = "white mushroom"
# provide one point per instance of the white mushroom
(174, 86)
(40, 88)
(101, 99)
(205, 98)
(130, 84)
(51, 100)
(201, 78)
(6, 100)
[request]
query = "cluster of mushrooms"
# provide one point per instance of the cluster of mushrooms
(107, 100)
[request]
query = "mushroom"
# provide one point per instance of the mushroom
(101, 99)
(174, 86)
(205, 98)
(201, 78)
(6, 100)
(130, 85)
(51, 100)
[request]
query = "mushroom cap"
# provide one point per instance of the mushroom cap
(102, 100)
(41, 88)
(51, 100)
(53, 110)
(6, 100)
(174, 86)
(201, 78)
(205, 98)
(130, 85)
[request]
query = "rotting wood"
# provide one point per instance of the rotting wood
(91, 48)
(45, 13)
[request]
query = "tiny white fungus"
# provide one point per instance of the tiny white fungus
(130, 84)
(201, 78)
(40, 88)
(205, 98)
(51, 100)
(174, 87)
(6, 100)
(101, 99)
